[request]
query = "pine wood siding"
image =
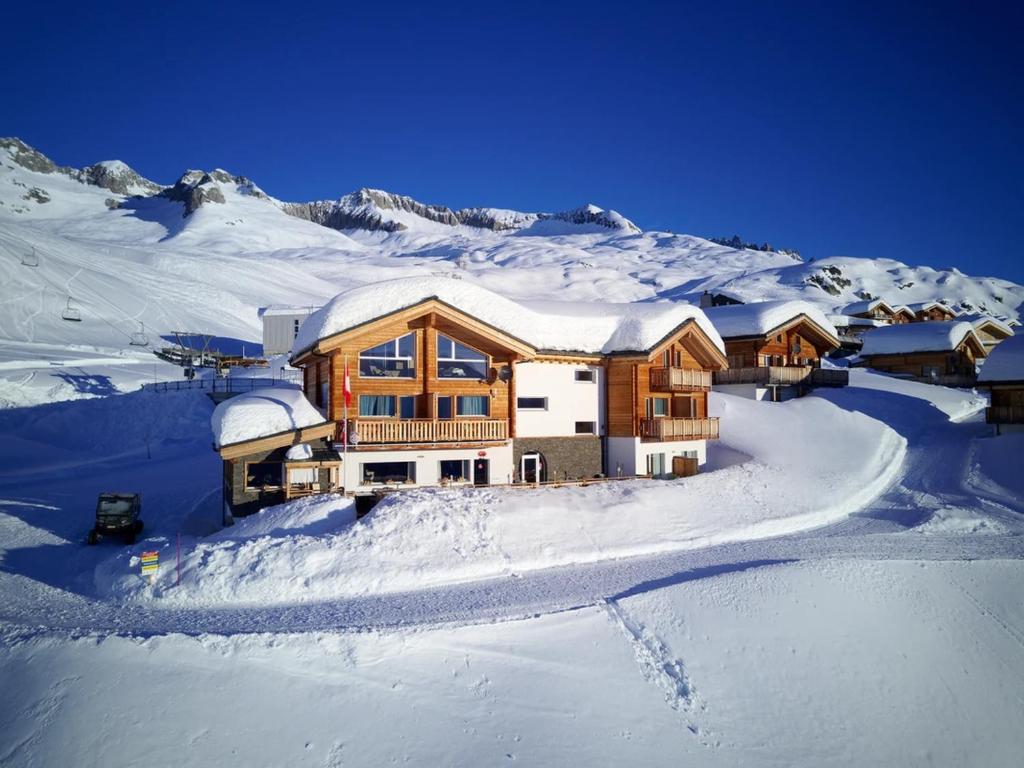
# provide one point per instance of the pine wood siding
(935, 313)
(1007, 404)
(424, 386)
(962, 361)
(750, 353)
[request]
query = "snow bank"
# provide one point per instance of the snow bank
(261, 413)
(1005, 362)
(574, 327)
(739, 320)
(936, 336)
(430, 537)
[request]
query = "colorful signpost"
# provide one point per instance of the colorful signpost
(150, 564)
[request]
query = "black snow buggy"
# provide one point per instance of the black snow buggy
(117, 514)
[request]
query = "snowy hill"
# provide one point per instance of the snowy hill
(205, 252)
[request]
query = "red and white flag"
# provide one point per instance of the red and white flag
(346, 387)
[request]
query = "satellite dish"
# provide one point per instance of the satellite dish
(505, 374)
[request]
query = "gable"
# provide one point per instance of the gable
(693, 339)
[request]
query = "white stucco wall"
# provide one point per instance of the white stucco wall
(568, 400)
(631, 454)
(428, 463)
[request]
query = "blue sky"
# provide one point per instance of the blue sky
(838, 129)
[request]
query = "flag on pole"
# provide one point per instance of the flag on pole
(347, 386)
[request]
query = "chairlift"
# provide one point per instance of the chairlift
(71, 314)
(140, 339)
(30, 259)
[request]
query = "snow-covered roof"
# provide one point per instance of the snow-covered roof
(757, 319)
(262, 413)
(845, 321)
(859, 307)
(1005, 362)
(978, 320)
(917, 337)
(923, 306)
(285, 309)
(587, 327)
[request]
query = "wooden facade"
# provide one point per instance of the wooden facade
(799, 342)
(1007, 403)
(952, 367)
(934, 312)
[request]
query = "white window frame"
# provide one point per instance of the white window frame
(590, 374)
(410, 360)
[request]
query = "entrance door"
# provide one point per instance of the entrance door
(531, 470)
(482, 472)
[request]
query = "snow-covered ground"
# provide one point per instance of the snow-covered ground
(864, 628)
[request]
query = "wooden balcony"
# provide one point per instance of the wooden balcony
(679, 429)
(1005, 414)
(765, 375)
(412, 431)
(679, 380)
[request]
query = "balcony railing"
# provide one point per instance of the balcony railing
(679, 429)
(409, 431)
(768, 375)
(679, 380)
(1005, 414)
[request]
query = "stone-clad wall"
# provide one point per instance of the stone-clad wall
(575, 457)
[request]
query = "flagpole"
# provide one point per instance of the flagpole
(345, 397)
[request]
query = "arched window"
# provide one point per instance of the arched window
(392, 359)
(457, 361)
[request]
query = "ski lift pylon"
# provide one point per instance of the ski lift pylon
(71, 314)
(30, 259)
(140, 339)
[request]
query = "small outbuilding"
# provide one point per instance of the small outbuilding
(275, 446)
(1003, 375)
(933, 352)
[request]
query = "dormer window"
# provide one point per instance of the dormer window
(457, 361)
(392, 359)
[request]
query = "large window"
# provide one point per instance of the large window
(388, 405)
(457, 361)
(377, 405)
(262, 474)
(379, 472)
(395, 358)
(455, 470)
(473, 405)
(657, 406)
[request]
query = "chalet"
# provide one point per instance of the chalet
(903, 314)
(1003, 375)
(934, 352)
(774, 349)
(451, 384)
(850, 329)
(990, 330)
(931, 310)
(875, 309)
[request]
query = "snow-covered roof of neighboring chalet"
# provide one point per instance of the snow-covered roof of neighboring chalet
(590, 327)
(922, 306)
(1005, 362)
(845, 321)
(978, 320)
(917, 337)
(285, 309)
(262, 413)
(757, 319)
(859, 307)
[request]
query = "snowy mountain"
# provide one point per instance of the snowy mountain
(206, 252)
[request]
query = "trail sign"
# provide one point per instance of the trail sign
(150, 563)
